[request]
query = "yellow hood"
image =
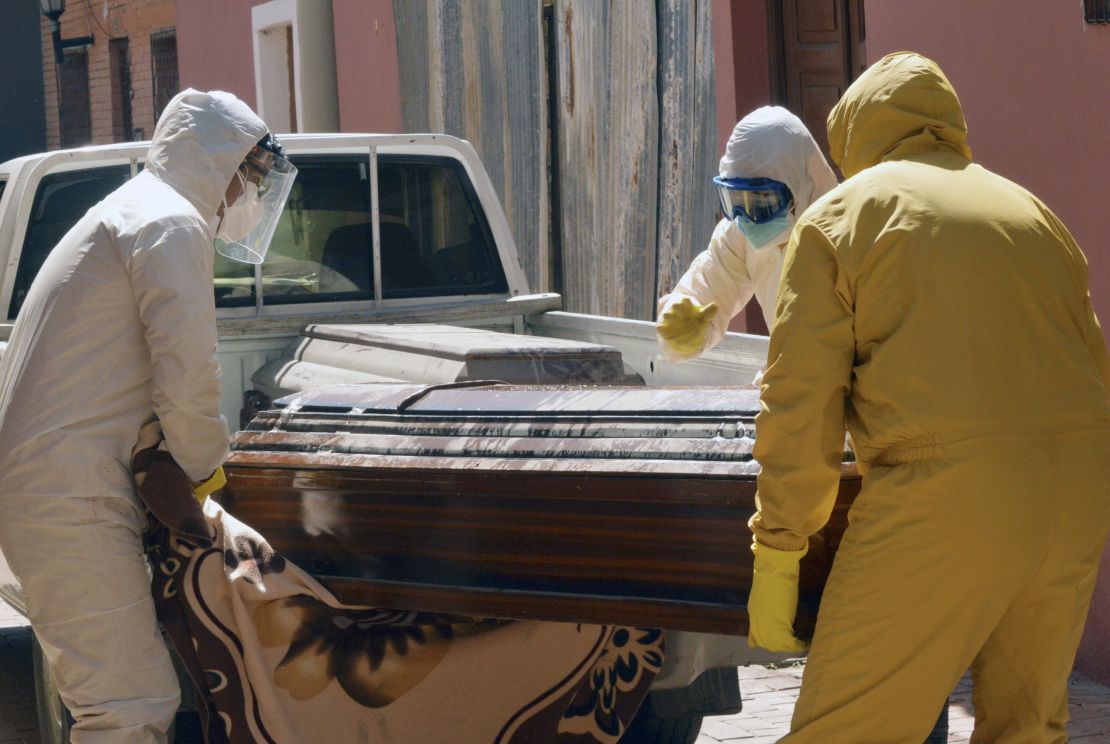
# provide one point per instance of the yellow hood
(901, 106)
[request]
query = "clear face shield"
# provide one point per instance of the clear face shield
(262, 183)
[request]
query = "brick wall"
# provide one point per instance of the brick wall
(134, 19)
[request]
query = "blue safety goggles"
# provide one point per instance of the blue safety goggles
(755, 200)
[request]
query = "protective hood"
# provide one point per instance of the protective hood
(771, 142)
(900, 106)
(199, 143)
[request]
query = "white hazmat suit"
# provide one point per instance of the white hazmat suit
(119, 327)
(770, 142)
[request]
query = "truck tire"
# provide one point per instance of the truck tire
(648, 728)
(54, 718)
(939, 734)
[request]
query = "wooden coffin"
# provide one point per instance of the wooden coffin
(591, 504)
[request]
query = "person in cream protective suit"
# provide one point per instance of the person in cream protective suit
(772, 170)
(119, 331)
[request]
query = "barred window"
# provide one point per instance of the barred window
(120, 75)
(163, 60)
(1096, 11)
(73, 98)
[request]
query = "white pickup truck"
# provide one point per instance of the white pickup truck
(379, 231)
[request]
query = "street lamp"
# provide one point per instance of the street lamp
(53, 10)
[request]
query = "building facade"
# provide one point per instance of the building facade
(1036, 105)
(304, 65)
(114, 89)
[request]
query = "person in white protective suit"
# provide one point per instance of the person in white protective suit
(118, 330)
(772, 170)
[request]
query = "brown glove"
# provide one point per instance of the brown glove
(165, 490)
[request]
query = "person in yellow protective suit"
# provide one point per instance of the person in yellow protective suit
(772, 170)
(942, 314)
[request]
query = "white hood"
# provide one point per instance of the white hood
(199, 143)
(771, 142)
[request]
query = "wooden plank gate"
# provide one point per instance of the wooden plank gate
(596, 123)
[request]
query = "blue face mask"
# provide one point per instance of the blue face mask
(760, 234)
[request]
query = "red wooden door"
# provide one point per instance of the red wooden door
(820, 51)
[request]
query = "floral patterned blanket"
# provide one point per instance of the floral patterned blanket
(277, 658)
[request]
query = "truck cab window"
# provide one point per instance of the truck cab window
(433, 231)
(435, 240)
(319, 251)
(62, 199)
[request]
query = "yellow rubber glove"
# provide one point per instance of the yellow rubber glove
(215, 482)
(683, 325)
(774, 599)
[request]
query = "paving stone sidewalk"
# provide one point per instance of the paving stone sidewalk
(769, 694)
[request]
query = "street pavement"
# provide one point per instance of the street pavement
(769, 695)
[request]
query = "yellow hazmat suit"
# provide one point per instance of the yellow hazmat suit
(942, 314)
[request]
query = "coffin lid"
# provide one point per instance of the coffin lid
(491, 397)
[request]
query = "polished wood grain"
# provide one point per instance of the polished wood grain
(651, 549)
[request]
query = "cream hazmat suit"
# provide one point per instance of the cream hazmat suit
(942, 313)
(770, 142)
(119, 327)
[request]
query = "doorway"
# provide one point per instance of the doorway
(817, 48)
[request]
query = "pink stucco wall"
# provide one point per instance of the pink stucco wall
(743, 83)
(214, 49)
(725, 77)
(366, 66)
(1030, 76)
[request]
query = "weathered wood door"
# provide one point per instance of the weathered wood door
(636, 138)
(596, 123)
(821, 52)
(476, 70)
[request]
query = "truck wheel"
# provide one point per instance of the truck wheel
(648, 728)
(54, 718)
(939, 734)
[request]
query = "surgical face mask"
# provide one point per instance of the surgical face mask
(243, 215)
(760, 234)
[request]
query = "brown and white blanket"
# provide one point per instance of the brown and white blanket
(275, 657)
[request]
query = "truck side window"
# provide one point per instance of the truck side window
(321, 247)
(62, 199)
(434, 234)
(435, 240)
